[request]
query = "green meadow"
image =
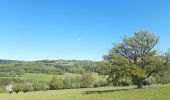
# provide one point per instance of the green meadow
(155, 92)
(47, 78)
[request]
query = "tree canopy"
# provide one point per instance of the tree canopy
(134, 58)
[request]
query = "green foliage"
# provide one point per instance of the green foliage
(17, 88)
(146, 83)
(78, 81)
(2, 90)
(134, 58)
(69, 83)
(56, 83)
(22, 87)
(54, 67)
(164, 80)
(40, 86)
(27, 87)
(87, 80)
(6, 81)
(100, 83)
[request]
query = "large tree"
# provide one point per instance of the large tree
(134, 58)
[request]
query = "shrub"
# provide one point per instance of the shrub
(5, 81)
(164, 80)
(19, 80)
(39, 86)
(69, 83)
(45, 87)
(146, 83)
(2, 90)
(17, 88)
(153, 79)
(36, 86)
(56, 83)
(24, 87)
(78, 81)
(27, 87)
(125, 83)
(87, 80)
(100, 83)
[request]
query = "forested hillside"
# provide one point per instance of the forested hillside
(46, 67)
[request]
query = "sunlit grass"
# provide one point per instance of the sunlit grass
(47, 78)
(155, 92)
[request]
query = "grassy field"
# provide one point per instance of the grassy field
(47, 78)
(105, 93)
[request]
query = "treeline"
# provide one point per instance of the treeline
(86, 80)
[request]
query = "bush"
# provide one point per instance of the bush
(146, 83)
(69, 83)
(87, 80)
(56, 83)
(19, 80)
(125, 83)
(153, 79)
(5, 81)
(164, 80)
(39, 86)
(100, 83)
(2, 90)
(78, 81)
(17, 88)
(27, 87)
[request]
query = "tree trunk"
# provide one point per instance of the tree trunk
(139, 83)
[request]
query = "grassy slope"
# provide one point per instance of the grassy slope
(47, 78)
(105, 93)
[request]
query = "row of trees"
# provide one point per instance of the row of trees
(27, 87)
(87, 80)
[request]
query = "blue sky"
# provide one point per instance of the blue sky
(76, 29)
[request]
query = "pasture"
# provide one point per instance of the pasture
(47, 78)
(155, 92)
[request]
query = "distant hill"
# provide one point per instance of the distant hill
(2, 61)
(47, 66)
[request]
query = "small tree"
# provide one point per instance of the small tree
(56, 83)
(134, 58)
(27, 87)
(69, 82)
(78, 81)
(39, 86)
(87, 80)
(17, 88)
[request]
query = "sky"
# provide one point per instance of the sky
(77, 29)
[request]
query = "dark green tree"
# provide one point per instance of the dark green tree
(134, 58)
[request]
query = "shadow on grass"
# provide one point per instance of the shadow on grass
(108, 91)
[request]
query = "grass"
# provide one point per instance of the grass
(47, 78)
(104, 93)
